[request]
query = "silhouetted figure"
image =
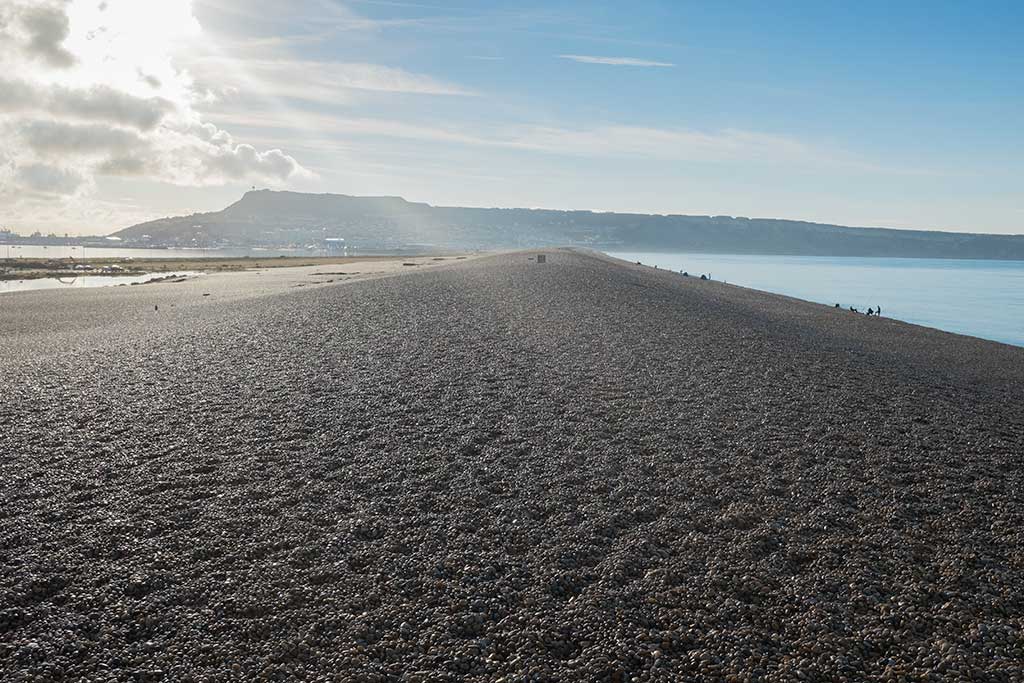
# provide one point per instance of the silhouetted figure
(685, 274)
(870, 312)
(156, 308)
(703, 276)
(854, 310)
(837, 305)
(878, 310)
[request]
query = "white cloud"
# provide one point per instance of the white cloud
(39, 30)
(103, 103)
(612, 141)
(201, 154)
(96, 103)
(670, 144)
(616, 61)
(94, 91)
(45, 179)
(57, 138)
(17, 96)
(326, 82)
(243, 161)
(125, 165)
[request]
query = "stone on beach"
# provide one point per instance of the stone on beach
(487, 470)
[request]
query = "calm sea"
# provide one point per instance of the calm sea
(980, 298)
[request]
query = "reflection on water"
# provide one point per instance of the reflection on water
(83, 281)
(84, 253)
(980, 298)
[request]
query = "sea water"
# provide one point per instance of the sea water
(981, 298)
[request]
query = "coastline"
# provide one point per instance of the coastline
(583, 469)
(969, 297)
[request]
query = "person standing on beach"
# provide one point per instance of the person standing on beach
(878, 310)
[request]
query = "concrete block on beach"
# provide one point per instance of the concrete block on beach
(405, 478)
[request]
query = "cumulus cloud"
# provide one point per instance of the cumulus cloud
(46, 179)
(103, 103)
(150, 80)
(202, 154)
(62, 139)
(125, 165)
(85, 96)
(40, 30)
(241, 161)
(95, 103)
(17, 96)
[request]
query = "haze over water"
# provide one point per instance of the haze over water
(978, 298)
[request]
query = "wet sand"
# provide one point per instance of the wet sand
(496, 469)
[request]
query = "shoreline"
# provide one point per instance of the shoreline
(390, 264)
(939, 301)
(818, 256)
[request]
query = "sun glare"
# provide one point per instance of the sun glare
(129, 45)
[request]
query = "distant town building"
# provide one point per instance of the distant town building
(334, 244)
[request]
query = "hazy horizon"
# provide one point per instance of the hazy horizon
(114, 229)
(116, 112)
(600, 211)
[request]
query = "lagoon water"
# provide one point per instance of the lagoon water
(979, 298)
(80, 253)
(84, 281)
(56, 251)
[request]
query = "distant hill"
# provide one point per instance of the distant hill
(267, 218)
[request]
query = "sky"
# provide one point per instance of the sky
(906, 115)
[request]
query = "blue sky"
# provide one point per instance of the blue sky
(861, 114)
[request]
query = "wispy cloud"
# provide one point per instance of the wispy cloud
(326, 82)
(607, 141)
(616, 61)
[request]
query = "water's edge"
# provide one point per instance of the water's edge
(87, 281)
(980, 298)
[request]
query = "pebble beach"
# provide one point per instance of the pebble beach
(495, 469)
